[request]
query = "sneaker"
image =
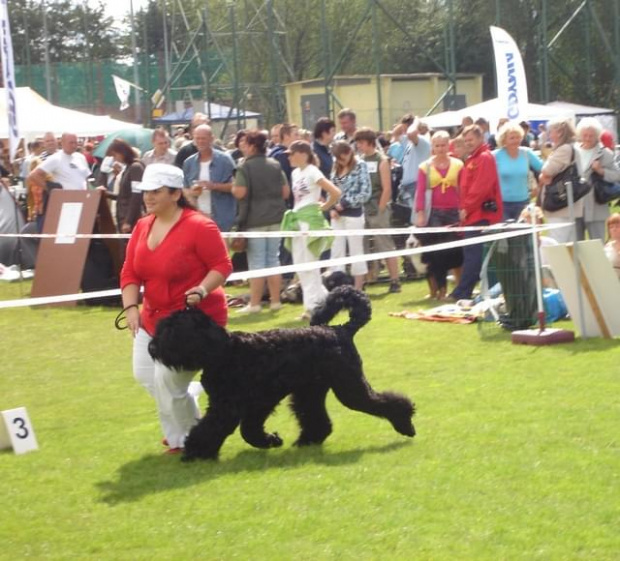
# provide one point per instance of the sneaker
(304, 317)
(249, 309)
(275, 306)
(164, 442)
(395, 287)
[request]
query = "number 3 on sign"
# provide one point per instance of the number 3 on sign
(16, 431)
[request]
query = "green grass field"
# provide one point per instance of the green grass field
(517, 453)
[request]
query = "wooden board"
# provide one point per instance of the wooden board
(598, 283)
(60, 261)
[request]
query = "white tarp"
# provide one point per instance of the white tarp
(607, 117)
(36, 116)
(492, 111)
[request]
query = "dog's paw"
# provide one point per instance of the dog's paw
(274, 440)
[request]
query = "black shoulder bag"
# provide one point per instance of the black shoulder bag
(556, 197)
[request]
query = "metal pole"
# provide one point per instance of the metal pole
(376, 56)
(89, 65)
(166, 53)
(27, 37)
(207, 70)
(588, 45)
(452, 51)
(326, 58)
(275, 92)
(544, 53)
(46, 53)
(233, 26)
(498, 12)
(136, 62)
(147, 73)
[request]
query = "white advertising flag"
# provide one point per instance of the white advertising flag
(8, 74)
(123, 89)
(511, 81)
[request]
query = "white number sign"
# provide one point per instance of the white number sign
(16, 431)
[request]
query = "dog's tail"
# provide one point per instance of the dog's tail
(344, 298)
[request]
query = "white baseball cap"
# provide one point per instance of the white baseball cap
(161, 175)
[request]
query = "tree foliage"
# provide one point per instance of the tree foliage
(75, 31)
(411, 36)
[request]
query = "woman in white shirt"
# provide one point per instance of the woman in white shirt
(593, 157)
(307, 181)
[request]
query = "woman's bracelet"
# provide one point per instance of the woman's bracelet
(203, 290)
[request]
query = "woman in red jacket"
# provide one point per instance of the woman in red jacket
(175, 253)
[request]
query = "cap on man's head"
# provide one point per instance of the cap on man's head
(161, 175)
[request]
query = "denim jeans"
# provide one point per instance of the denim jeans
(472, 263)
(263, 252)
(512, 210)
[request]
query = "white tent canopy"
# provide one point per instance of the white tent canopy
(36, 116)
(492, 111)
(607, 117)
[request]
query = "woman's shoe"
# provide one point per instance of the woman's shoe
(173, 451)
(249, 309)
(275, 306)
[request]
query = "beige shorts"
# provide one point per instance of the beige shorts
(380, 221)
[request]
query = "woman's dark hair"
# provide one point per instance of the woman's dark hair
(323, 126)
(122, 147)
(240, 134)
(257, 139)
(183, 202)
(303, 147)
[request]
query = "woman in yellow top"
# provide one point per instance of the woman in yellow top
(437, 204)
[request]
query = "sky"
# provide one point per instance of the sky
(119, 8)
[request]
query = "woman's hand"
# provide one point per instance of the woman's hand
(597, 167)
(333, 214)
(195, 295)
(133, 320)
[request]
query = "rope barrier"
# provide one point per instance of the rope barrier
(328, 263)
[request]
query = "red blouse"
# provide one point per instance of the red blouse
(191, 249)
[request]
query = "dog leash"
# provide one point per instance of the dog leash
(118, 322)
(121, 316)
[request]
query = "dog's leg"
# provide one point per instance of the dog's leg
(206, 438)
(253, 427)
(353, 391)
(309, 408)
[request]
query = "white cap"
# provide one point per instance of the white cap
(161, 175)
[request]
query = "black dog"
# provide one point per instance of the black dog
(246, 375)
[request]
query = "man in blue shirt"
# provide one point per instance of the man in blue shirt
(416, 149)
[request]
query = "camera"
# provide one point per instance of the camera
(489, 206)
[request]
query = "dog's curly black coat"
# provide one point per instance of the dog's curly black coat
(246, 375)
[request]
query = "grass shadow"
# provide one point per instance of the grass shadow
(157, 473)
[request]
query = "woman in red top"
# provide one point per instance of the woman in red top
(175, 253)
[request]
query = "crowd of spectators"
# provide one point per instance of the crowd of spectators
(354, 177)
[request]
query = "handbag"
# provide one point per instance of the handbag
(556, 197)
(604, 191)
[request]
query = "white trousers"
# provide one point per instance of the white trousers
(314, 292)
(177, 408)
(355, 243)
